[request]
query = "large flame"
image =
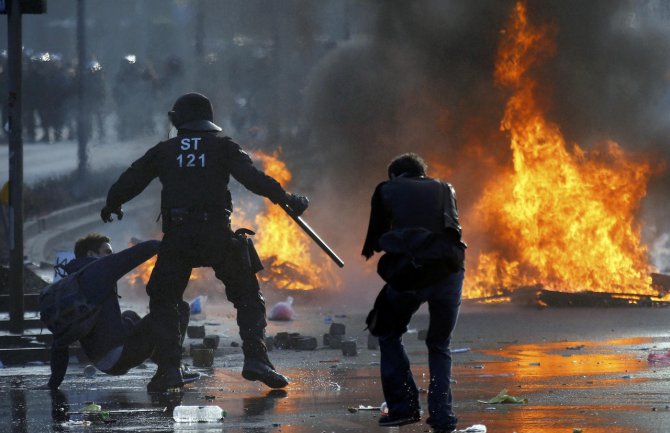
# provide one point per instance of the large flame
(285, 251)
(562, 217)
(283, 247)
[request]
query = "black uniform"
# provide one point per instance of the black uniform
(194, 169)
(395, 203)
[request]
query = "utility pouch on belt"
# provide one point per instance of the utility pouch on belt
(247, 250)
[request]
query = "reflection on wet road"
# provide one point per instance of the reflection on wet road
(569, 384)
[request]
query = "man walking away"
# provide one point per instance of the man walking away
(411, 206)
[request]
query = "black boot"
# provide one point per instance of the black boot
(168, 379)
(260, 368)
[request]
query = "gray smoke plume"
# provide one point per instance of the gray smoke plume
(422, 81)
(375, 78)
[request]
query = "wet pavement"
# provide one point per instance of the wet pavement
(579, 369)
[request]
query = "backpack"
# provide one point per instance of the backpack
(416, 257)
(66, 311)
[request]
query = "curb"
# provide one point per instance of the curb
(46, 234)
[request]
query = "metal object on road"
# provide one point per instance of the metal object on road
(312, 234)
(125, 411)
(90, 371)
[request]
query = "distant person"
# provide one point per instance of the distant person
(134, 93)
(118, 341)
(194, 169)
(411, 206)
(95, 98)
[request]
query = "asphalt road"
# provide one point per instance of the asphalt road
(44, 160)
(579, 369)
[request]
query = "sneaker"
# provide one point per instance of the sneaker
(393, 420)
(188, 375)
(166, 380)
(256, 369)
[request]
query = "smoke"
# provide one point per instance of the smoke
(422, 81)
(402, 76)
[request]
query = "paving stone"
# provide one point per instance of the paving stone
(196, 331)
(349, 348)
(337, 329)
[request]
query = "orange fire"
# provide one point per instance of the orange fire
(140, 275)
(285, 251)
(562, 216)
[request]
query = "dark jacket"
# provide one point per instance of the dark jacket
(194, 169)
(405, 202)
(97, 282)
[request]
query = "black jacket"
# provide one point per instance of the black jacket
(194, 169)
(410, 202)
(96, 282)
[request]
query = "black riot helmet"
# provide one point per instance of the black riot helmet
(193, 112)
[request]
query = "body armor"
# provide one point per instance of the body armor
(420, 202)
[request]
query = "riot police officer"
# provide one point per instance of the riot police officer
(194, 168)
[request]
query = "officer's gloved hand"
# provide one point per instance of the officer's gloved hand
(107, 211)
(297, 203)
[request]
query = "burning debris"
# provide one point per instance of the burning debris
(561, 216)
(538, 296)
(291, 264)
(287, 254)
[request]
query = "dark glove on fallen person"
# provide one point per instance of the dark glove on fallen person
(297, 203)
(107, 211)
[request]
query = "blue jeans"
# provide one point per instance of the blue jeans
(400, 390)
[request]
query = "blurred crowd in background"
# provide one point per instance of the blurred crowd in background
(251, 58)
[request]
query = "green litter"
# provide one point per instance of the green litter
(91, 407)
(503, 398)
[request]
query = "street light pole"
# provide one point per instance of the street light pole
(200, 29)
(83, 127)
(15, 57)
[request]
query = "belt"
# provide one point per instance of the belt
(177, 215)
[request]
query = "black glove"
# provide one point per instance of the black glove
(107, 211)
(297, 203)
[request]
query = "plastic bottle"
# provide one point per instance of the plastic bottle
(198, 414)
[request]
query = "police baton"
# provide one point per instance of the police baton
(312, 234)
